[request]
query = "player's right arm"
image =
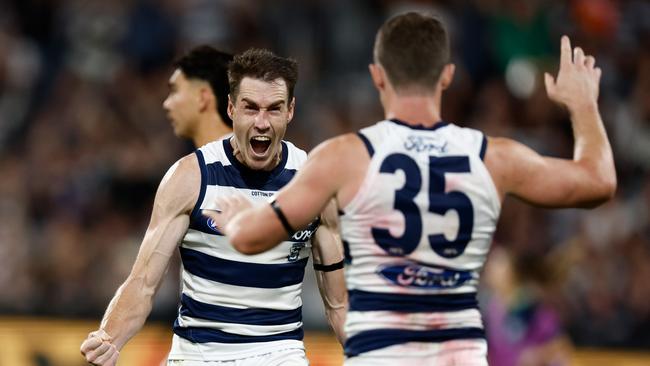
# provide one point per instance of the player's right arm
(587, 180)
(129, 308)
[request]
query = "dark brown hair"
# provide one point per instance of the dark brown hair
(263, 65)
(211, 65)
(413, 48)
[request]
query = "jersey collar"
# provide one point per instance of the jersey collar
(436, 126)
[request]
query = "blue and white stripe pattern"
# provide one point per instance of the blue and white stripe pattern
(409, 282)
(228, 297)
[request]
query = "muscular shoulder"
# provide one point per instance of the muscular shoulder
(341, 154)
(507, 160)
(180, 186)
(335, 149)
(343, 161)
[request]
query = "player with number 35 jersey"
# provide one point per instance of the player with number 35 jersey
(419, 199)
(417, 233)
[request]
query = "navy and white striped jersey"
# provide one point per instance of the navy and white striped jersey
(235, 305)
(416, 236)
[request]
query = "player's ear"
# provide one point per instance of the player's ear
(447, 76)
(378, 76)
(231, 107)
(290, 109)
(205, 98)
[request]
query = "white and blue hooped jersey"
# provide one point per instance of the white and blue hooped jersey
(235, 305)
(416, 236)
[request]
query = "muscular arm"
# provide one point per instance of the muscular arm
(327, 250)
(334, 169)
(587, 180)
(132, 302)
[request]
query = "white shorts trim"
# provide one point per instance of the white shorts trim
(185, 350)
(466, 352)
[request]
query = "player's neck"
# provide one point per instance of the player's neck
(208, 130)
(415, 109)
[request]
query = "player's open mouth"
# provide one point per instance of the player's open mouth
(260, 144)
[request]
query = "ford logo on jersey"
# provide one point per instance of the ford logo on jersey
(415, 275)
(304, 235)
(300, 238)
(425, 143)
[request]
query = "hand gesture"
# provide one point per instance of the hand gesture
(98, 349)
(228, 207)
(577, 81)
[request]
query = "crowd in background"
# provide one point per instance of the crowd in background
(84, 140)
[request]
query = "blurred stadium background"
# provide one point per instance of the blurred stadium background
(84, 142)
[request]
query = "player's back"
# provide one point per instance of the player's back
(417, 234)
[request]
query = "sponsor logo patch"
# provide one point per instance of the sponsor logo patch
(425, 144)
(300, 239)
(418, 276)
(212, 225)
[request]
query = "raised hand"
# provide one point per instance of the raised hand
(576, 85)
(98, 349)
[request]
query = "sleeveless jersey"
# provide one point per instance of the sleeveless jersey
(235, 305)
(416, 236)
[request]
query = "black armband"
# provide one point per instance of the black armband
(329, 268)
(283, 219)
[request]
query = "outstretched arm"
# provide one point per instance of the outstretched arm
(587, 180)
(334, 169)
(132, 302)
(327, 251)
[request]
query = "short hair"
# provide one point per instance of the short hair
(210, 65)
(264, 65)
(413, 49)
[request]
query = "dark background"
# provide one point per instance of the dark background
(84, 140)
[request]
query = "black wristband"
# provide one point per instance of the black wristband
(283, 219)
(328, 268)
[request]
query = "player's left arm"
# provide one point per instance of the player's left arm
(327, 253)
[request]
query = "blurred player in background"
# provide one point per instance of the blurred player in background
(522, 328)
(235, 309)
(197, 104)
(420, 199)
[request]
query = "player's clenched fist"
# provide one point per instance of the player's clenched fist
(98, 349)
(576, 85)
